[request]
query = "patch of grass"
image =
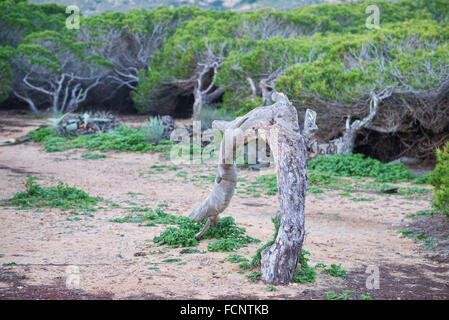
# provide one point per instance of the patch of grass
(122, 138)
(422, 179)
(357, 165)
(154, 268)
(61, 196)
(362, 199)
(244, 266)
(271, 288)
(172, 260)
(332, 295)
(93, 156)
(236, 258)
(190, 251)
(229, 236)
(421, 236)
(421, 213)
(156, 252)
(151, 217)
(254, 275)
(335, 271)
(9, 264)
(314, 189)
(42, 134)
(304, 273)
(74, 219)
(413, 191)
(266, 183)
(405, 232)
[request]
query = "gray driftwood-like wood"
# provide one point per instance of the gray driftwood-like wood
(278, 125)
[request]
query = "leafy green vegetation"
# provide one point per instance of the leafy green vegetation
(229, 236)
(171, 260)
(335, 271)
(331, 172)
(357, 165)
(236, 258)
(93, 156)
(121, 139)
(61, 196)
(190, 250)
(151, 218)
(271, 288)
(345, 295)
(439, 179)
(254, 275)
(331, 295)
(304, 273)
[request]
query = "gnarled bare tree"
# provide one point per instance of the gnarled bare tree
(277, 124)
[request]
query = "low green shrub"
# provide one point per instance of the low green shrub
(304, 273)
(229, 236)
(357, 165)
(61, 196)
(122, 138)
(439, 179)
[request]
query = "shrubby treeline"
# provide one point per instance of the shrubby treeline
(176, 61)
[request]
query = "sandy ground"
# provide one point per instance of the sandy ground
(46, 246)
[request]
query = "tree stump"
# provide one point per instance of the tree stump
(278, 125)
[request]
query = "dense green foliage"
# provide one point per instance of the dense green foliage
(151, 218)
(98, 6)
(313, 43)
(19, 18)
(121, 139)
(61, 196)
(439, 178)
(357, 165)
(5, 73)
(229, 236)
(326, 50)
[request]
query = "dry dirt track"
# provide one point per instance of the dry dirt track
(42, 243)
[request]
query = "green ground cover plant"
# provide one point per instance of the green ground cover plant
(60, 196)
(121, 139)
(439, 179)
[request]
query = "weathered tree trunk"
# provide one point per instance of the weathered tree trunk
(279, 261)
(277, 124)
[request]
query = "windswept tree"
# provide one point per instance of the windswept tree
(187, 64)
(129, 40)
(402, 68)
(50, 68)
(249, 72)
